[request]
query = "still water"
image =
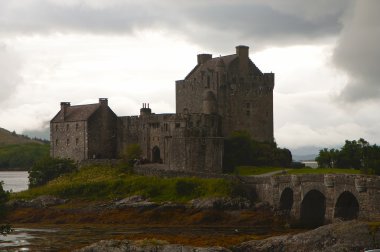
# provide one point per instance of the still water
(14, 181)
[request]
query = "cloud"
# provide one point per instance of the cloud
(358, 52)
(269, 22)
(10, 78)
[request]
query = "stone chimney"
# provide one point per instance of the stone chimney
(103, 101)
(145, 110)
(242, 52)
(64, 106)
(202, 58)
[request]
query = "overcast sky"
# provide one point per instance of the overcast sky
(325, 55)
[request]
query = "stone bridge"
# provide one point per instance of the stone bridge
(316, 199)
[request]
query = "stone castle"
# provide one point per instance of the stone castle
(219, 96)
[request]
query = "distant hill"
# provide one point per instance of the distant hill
(8, 138)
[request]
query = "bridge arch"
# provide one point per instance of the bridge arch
(286, 201)
(346, 206)
(313, 209)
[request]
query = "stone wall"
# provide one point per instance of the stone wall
(68, 140)
(102, 134)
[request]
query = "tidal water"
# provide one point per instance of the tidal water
(14, 181)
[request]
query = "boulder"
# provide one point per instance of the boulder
(343, 236)
(223, 203)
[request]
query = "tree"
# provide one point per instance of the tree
(4, 197)
(49, 168)
(132, 153)
(240, 149)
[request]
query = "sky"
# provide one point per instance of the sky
(325, 56)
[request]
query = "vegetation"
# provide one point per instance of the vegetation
(10, 138)
(254, 170)
(4, 197)
(241, 150)
(21, 156)
(323, 171)
(102, 182)
(132, 153)
(354, 154)
(47, 169)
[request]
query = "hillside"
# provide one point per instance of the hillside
(8, 138)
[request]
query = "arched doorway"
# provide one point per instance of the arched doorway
(286, 201)
(313, 208)
(156, 158)
(346, 207)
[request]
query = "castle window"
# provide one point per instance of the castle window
(56, 142)
(208, 82)
(76, 141)
(67, 141)
(247, 112)
(67, 127)
(248, 105)
(177, 125)
(76, 126)
(56, 127)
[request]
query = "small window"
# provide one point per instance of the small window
(56, 127)
(247, 112)
(67, 127)
(208, 82)
(67, 141)
(248, 105)
(267, 113)
(177, 125)
(56, 142)
(76, 141)
(76, 126)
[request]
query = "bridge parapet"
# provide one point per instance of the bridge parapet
(362, 188)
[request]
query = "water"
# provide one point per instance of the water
(68, 238)
(14, 180)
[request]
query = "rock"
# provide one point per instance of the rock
(39, 202)
(224, 203)
(136, 201)
(343, 236)
(262, 205)
(144, 246)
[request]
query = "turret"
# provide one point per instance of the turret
(209, 103)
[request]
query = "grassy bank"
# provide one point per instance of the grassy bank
(254, 170)
(101, 182)
(323, 171)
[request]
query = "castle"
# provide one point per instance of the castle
(219, 96)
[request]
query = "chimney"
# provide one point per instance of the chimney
(103, 101)
(64, 106)
(242, 51)
(145, 110)
(202, 58)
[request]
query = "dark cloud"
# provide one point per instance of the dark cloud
(203, 22)
(9, 78)
(358, 52)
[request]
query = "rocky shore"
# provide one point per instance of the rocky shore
(345, 236)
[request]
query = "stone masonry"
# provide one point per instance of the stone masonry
(219, 96)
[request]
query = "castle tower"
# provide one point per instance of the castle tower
(232, 87)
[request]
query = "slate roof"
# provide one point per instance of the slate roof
(227, 60)
(77, 113)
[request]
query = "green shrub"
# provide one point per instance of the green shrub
(185, 187)
(4, 197)
(47, 169)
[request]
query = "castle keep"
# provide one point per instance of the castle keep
(219, 96)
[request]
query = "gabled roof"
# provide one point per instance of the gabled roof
(227, 60)
(77, 113)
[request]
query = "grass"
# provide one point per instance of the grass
(102, 182)
(323, 171)
(255, 170)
